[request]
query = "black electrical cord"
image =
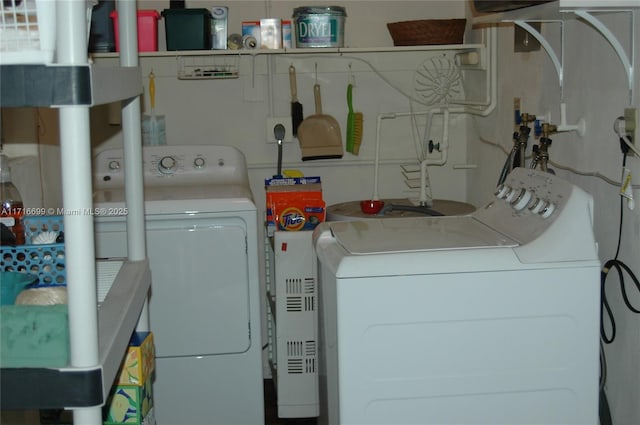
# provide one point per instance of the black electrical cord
(508, 164)
(605, 412)
(619, 266)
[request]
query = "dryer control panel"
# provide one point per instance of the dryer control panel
(174, 165)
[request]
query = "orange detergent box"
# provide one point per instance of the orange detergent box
(294, 203)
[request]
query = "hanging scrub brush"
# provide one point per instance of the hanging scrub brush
(354, 122)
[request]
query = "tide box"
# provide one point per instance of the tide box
(294, 204)
(138, 363)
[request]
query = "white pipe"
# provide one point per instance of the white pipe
(492, 78)
(580, 127)
(492, 91)
(489, 106)
(270, 82)
(491, 81)
(444, 145)
(376, 162)
(424, 199)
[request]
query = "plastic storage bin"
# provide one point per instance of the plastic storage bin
(47, 261)
(101, 37)
(147, 30)
(187, 29)
(27, 31)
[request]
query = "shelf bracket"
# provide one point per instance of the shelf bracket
(627, 60)
(557, 61)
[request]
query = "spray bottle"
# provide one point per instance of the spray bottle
(12, 212)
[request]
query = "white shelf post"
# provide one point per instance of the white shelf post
(131, 128)
(75, 147)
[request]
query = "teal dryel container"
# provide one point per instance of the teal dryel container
(319, 26)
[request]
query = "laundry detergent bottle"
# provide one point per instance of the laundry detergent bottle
(12, 212)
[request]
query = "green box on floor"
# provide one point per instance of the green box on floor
(129, 404)
(187, 29)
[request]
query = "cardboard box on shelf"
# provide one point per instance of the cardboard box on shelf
(138, 363)
(129, 404)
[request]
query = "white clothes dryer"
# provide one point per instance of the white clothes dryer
(489, 318)
(201, 234)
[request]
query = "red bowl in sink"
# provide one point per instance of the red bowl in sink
(371, 206)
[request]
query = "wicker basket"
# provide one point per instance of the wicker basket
(427, 31)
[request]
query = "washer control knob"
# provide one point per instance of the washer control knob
(167, 165)
(536, 205)
(522, 200)
(502, 191)
(114, 165)
(199, 162)
(513, 194)
(548, 210)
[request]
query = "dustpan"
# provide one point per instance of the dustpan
(319, 135)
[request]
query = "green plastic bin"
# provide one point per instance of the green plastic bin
(187, 29)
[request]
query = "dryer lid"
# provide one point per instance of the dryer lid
(416, 234)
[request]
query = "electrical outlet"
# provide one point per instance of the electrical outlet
(631, 126)
(288, 129)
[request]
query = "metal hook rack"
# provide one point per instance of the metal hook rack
(207, 67)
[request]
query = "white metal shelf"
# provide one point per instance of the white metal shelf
(564, 10)
(300, 51)
(127, 285)
(55, 86)
(291, 293)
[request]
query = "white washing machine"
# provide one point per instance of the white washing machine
(201, 233)
(489, 318)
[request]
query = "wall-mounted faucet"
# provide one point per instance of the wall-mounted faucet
(541, 150)
(516, 157)
(522, 138)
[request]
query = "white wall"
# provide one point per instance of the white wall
(596, 90)
(234, 112)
